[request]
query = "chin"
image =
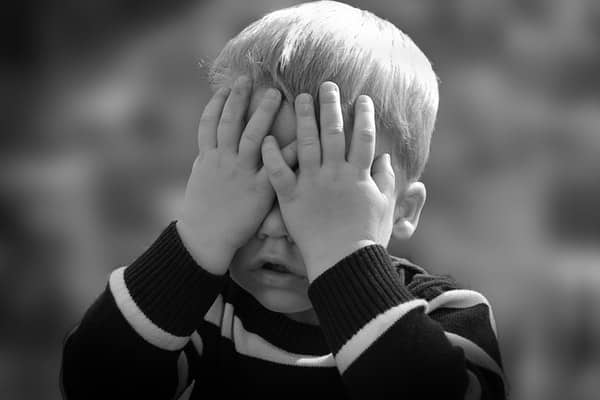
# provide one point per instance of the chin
(282, 301)
(286, 301)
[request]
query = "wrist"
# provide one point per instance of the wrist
(213, 256)
(320, 259)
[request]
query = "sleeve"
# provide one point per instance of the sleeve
(130, 343)
(388, 343)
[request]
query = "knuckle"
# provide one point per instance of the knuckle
(308, 141)
(276, 172)
(252, 138)
(227, 118)
(221, 94)
(208, 119)
(366, 135)
(335, 130)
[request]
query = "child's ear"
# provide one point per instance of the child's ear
(408, 210)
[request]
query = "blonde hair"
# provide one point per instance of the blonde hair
(298, 48)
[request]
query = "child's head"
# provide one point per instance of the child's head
(298, 48)
(295, 50)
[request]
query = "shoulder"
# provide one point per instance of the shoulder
(441, 292)
(421, 283)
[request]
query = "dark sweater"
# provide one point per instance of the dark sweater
(165, 328)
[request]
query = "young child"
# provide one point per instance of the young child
(275, 281)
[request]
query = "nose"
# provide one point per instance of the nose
(273, 226)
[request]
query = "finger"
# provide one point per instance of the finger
(290, 154)
(257, 128)
(362, 147)
(332, 125)
(383, 174)
(231, 123)
(209, 121)
(309, 145)
(282, 178)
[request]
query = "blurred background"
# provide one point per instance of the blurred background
(100, 104)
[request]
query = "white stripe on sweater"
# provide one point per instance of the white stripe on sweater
(252, 345)
(461, 298)
(188, 392)
(182, 374)
(197, 342)
(365, 337)
(147, 329)
(473, 391)
(227, 322)
(215, 312)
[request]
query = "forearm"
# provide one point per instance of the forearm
(129, 340)
(164, 291)
(104, 357)
(383, 339)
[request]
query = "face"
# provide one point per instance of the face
(269, 266)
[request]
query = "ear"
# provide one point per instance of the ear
(408, 210)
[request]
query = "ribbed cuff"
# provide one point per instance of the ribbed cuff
(354, 291)
(169, 287)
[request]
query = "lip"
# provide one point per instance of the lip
(278, 279)
(273, 259)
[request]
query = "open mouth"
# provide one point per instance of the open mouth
(282, 269)
(273, 274)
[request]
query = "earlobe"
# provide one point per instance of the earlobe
(408, 210)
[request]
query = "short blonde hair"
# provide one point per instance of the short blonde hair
(298, 48)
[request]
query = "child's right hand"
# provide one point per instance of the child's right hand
(228, 192)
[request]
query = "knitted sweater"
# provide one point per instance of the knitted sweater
(165, 328)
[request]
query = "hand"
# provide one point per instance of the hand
(228, 192)
(333, 206)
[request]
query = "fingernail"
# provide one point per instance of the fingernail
(329, 87)
(364, 99)
(242, 81)
(223, 91)
(272, 93)
(305, 98)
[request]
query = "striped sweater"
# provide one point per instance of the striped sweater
(165, 328)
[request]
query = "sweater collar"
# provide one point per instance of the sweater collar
(285, 333)
(276, 328)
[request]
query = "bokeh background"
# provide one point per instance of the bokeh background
(100, 101)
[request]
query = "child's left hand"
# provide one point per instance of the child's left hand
(334, 206)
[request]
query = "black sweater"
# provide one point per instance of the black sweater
(165, 328)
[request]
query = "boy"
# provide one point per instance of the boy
(275, 281)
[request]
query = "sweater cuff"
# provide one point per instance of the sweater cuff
(357, 289)
(165, 290)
